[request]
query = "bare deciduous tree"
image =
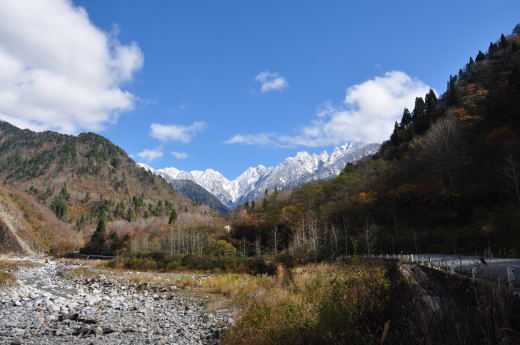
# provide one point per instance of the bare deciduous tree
(442, 148)
(369, 237)
(512, 173)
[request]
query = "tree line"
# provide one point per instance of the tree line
(447, 180)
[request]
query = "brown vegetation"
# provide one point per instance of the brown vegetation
(6, 278)
(376, 302)
(60, 185)
(320, 304)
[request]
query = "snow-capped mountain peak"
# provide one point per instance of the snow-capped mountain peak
(291, 172)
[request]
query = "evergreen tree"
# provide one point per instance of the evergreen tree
(173, 217)
(59, 207)
(516, 30)
(129, 214)
(430, 101)
(138, 202)
(504, 43)
(419, 109)
(97, 244)
(99, 234)
(113, 237)
(470, 66)
(407, 118)
(395, 135)
(64, 193)
(480, 56)
(115, 243)
(461, 74)
(120, 209)
(492, 49)
(453, 97)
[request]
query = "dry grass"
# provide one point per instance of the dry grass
(219, 304)
(182, 282)
(187, 282)
(6, 279)
(82, 271)
(8, 266)
(238, 286)
(137, 279)
(322, 304)
(13, 265)
(39, 227)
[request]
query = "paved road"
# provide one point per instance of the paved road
(491, 268)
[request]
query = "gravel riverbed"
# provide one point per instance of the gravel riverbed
(49, 305)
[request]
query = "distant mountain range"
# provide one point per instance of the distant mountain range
(250, 185)
(197, 194)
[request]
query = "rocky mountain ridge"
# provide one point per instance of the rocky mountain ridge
(291, 172)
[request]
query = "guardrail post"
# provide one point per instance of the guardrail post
(510, 277)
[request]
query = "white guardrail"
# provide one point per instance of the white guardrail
(461, 264)
(511, 275)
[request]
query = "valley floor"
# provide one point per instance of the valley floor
(69, 302)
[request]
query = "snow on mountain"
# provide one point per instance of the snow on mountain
(290, 173)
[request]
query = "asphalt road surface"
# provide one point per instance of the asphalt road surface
(483, 267)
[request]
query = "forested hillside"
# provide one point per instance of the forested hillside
(447, 180)
(64, 184)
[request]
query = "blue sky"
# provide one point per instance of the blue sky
(195, 70)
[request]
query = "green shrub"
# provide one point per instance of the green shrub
(221, 248)
(172, 265)
(252, 266)
(161, 262)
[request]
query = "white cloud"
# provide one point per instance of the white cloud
(271, 81)
(181, 133)
(180, 155)
(150, 155)
(262, 139)
(367, 114)
(58, 71)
